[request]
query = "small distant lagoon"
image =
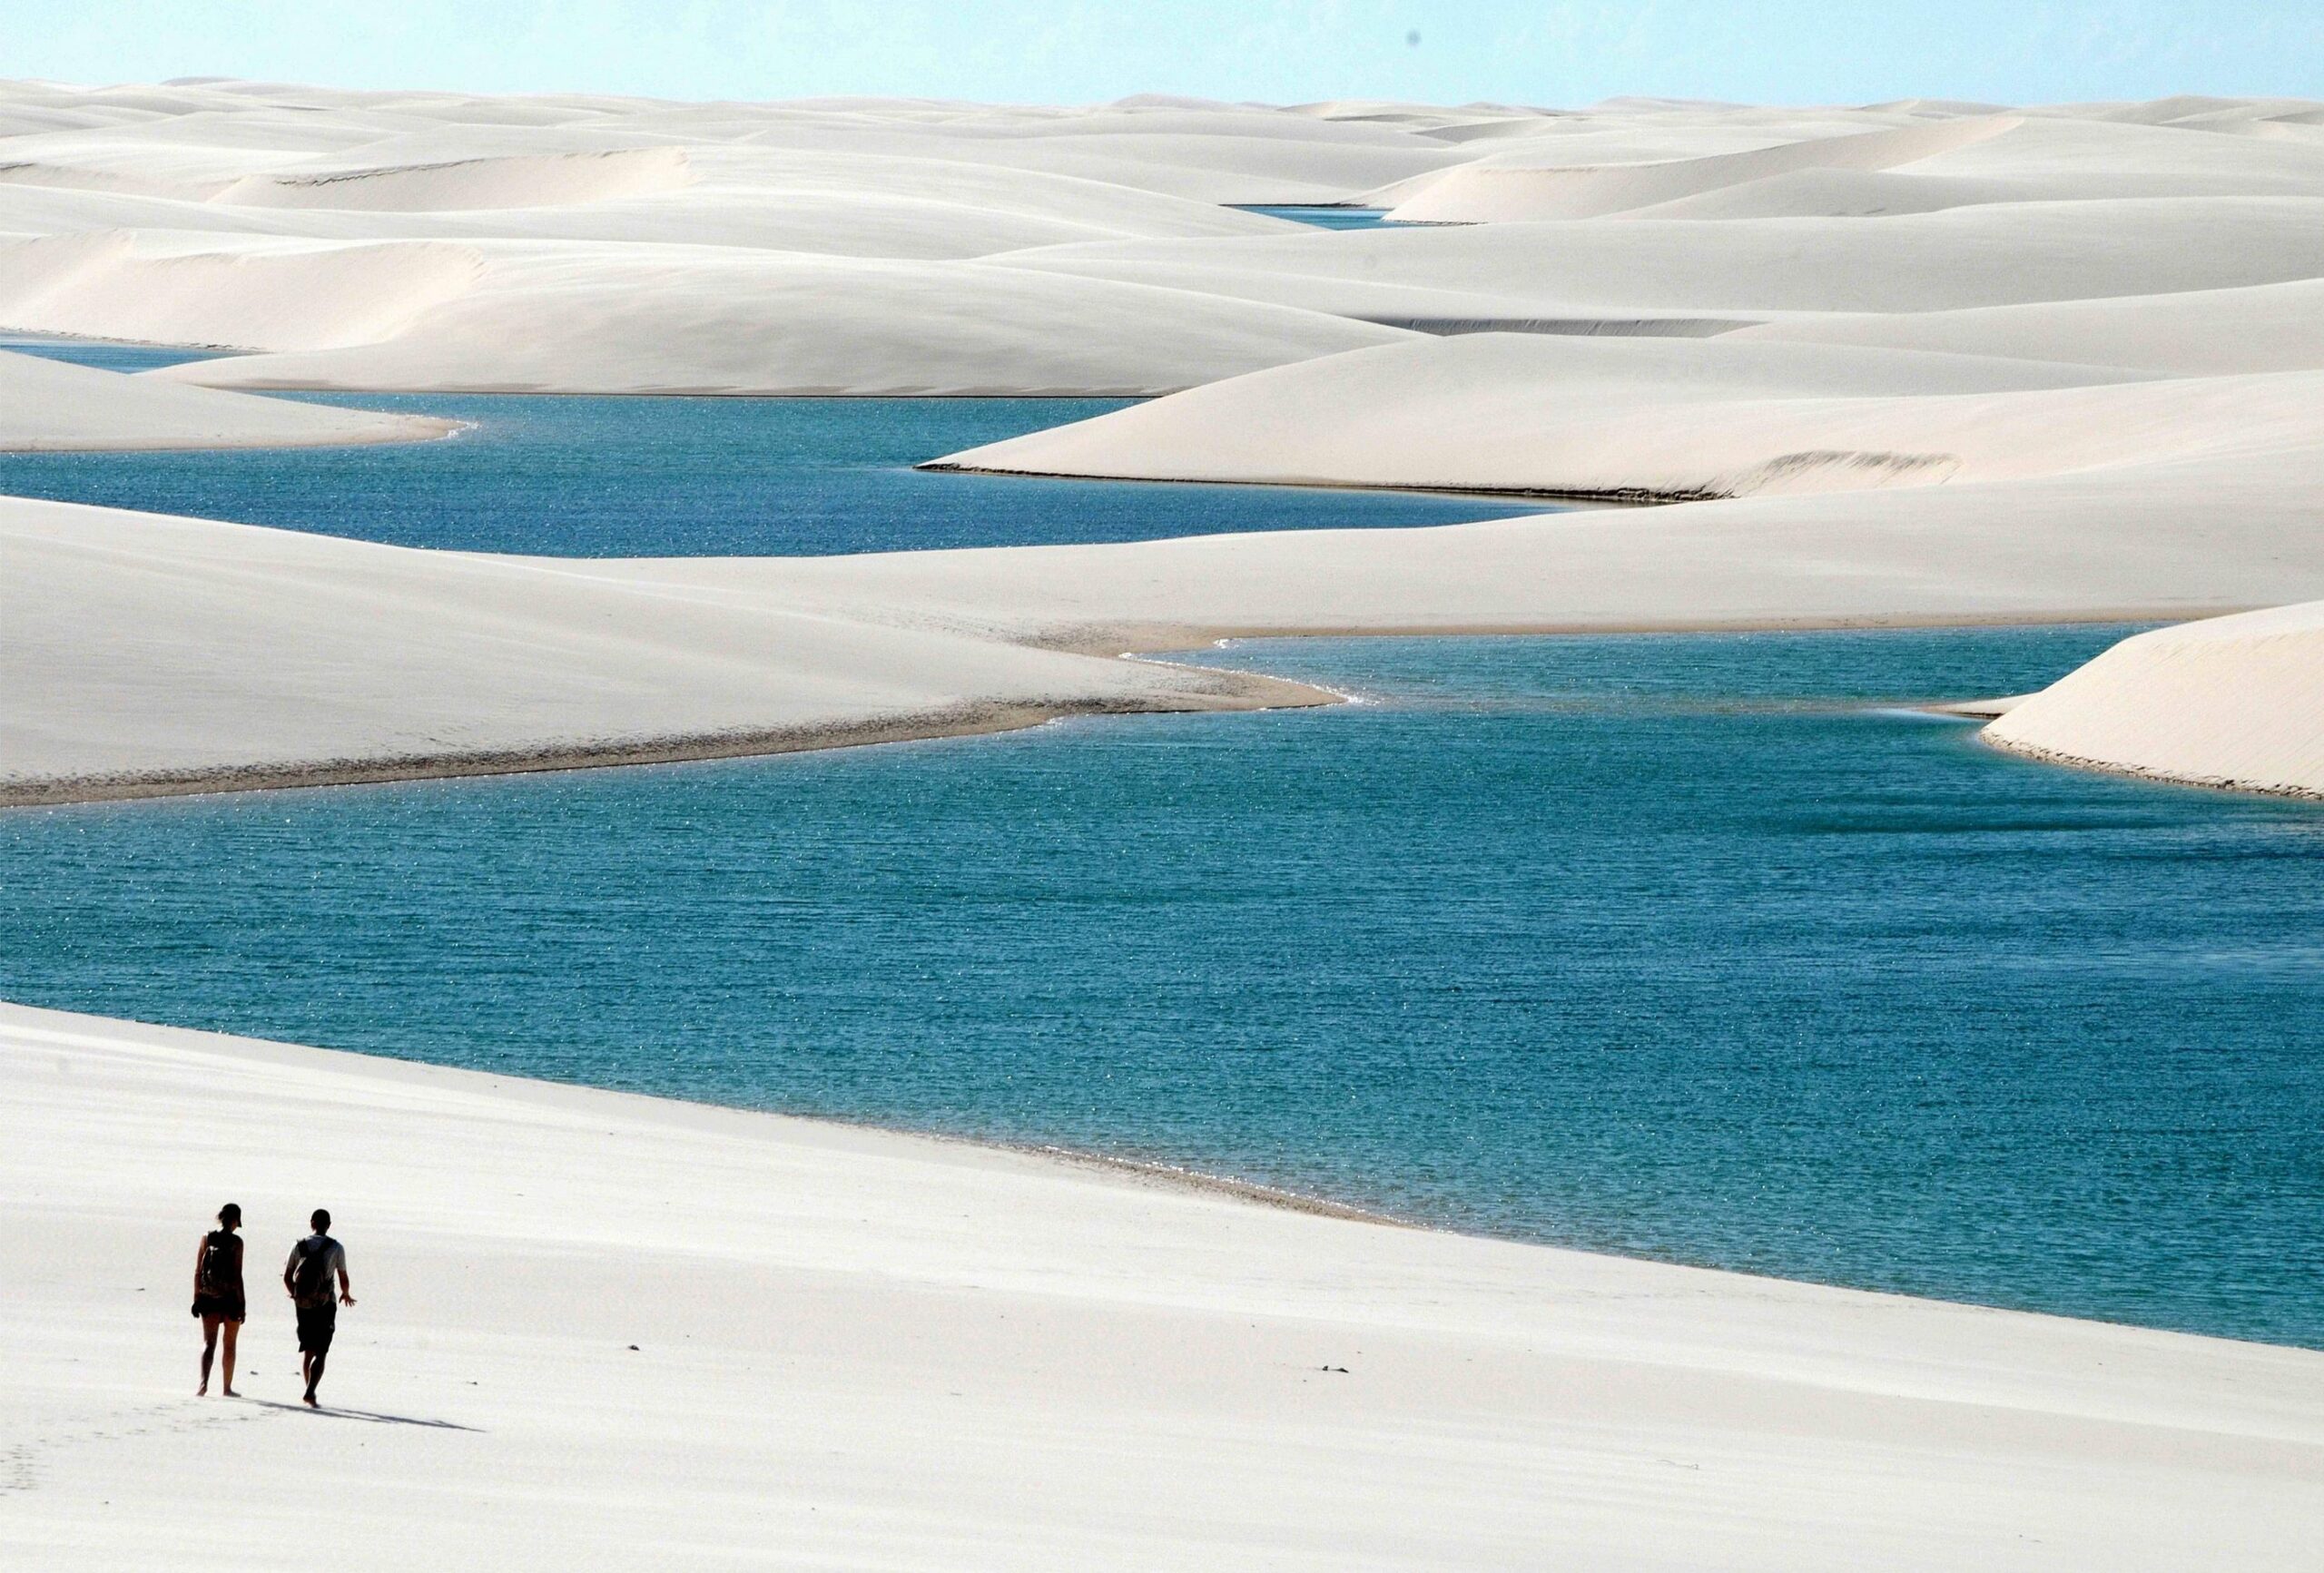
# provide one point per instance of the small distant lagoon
(104, 354)
(1326, 218)
(1699, 947)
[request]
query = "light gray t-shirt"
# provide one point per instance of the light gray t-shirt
(334, 1263)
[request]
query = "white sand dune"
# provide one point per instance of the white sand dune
(1638, 133)
(1218, 153)
(66, 177)
(1674, 417)
(556, 180)
(634, 318)
(157, 212)
(2027, 157)
(1994, 255)
(248, 217)
(2233, 702)
(1503, 193)
(2262, 328)
(1240, 153)
(598, 1330)
(256, 295)
(1888, 160)
(2155, 542)
(1663, 418)
(2063, 158)
(662, 318)
(840, 203)
(142, 653)
(48, 405)
(1817, 193)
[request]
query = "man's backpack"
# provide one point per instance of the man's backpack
(311, 1284)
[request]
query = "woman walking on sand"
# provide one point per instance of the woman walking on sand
(218, 1292)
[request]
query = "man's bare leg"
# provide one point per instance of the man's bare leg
(314, 1369)
(209, 1350)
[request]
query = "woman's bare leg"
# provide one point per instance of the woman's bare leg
(231, 1329)
(209, 1325)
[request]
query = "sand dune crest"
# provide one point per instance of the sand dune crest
(2233, 702)
(558, 180)
(1504, 194)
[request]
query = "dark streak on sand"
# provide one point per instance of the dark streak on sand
(1229, 691)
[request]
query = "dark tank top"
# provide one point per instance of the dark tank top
(222, 1267)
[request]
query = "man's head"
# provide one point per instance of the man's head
(321, 1220)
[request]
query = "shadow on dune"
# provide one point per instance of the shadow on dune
(329, 1412)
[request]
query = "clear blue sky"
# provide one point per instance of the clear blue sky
(1549, 51)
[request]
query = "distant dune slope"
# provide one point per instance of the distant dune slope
(254, 295)
(556, 180)
(839, 202)
(141, 654)
(624, 319)
(1672, 417)
(2234, 701)
(560, 242)
(1919, 164)
(1992, 255)
(48, 405)
(2258, 328)
(1501, 191)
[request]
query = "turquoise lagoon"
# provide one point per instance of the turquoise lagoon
(619, 477)
(1698, 947)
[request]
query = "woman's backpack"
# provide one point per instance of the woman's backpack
(218, 1263)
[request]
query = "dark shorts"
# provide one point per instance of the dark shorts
(316, 1324)
(219, 1306)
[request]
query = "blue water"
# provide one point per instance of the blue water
(1688, 947)
(612, 478)
(102, 353)
(1324, 218)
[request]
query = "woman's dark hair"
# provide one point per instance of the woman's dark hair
(321, 1220)
(229, 1215)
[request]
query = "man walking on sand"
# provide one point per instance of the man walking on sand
(314, 1262)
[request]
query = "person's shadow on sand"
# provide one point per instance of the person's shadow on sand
(329, 1412)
